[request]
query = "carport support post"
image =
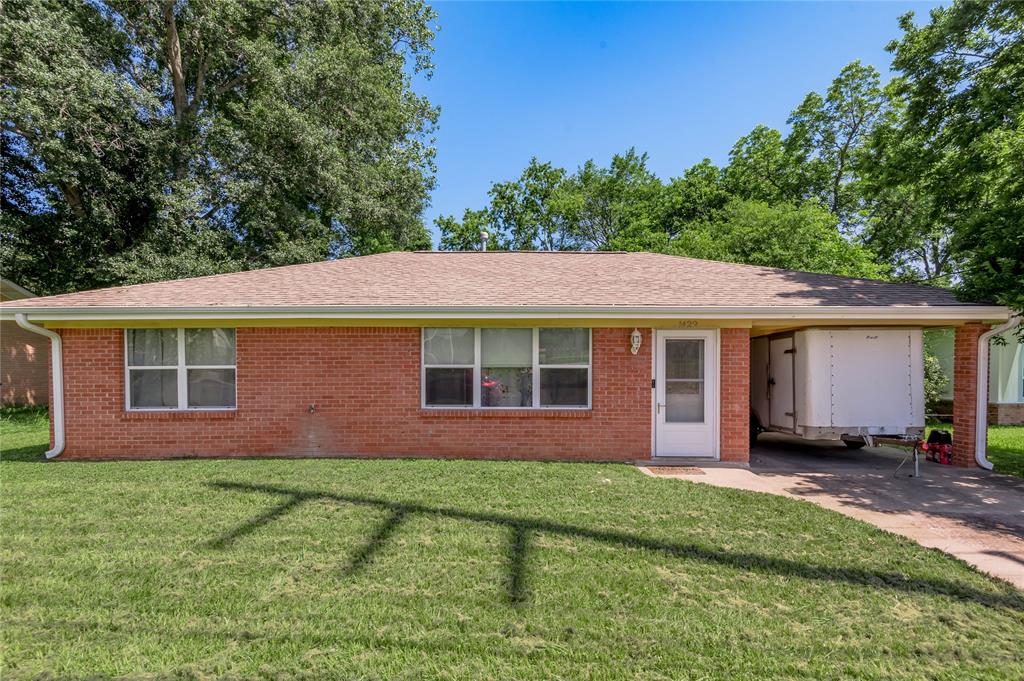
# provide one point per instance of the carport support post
(965, 392)
(735, 395)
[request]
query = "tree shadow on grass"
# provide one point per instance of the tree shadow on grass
(30, 454)
(365, 555)
(519, 543)
(521, 531)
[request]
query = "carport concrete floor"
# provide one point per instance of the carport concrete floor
(973, 514)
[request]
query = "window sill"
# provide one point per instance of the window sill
(179, 415)
(506, 413)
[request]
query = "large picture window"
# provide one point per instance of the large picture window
(168, 369)
(506, 368)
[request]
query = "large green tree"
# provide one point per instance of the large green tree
(958, 148)
(145, 139)
(763, 168)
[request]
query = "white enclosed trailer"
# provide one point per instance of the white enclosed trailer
(838, 384)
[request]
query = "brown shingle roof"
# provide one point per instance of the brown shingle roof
(502, 279)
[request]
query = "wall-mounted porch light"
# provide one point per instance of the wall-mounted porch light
(635, 339)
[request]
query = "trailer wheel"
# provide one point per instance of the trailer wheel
(854, 444)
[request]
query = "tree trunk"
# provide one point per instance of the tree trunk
(172, 50)
(74, 198)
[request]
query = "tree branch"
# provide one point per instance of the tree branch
(841, 164)
(229, 85)
(73, 195)
(972, 55)
(197, 96)
(213, 210)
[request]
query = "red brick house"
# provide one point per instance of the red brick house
(569, 356)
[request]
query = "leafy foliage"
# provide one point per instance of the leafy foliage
(829, 131)
(146, 140)
(547, 208)
(465, 235)
(935, 379)
(956, 149)
(793, 236)
(938, 174)
(695, 197)
(707, 213)
(614, 208)
(761, 168)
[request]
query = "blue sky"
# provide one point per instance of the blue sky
(682, 81)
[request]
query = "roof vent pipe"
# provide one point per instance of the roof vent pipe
(57, 362)
(981, 416)
(484, 236)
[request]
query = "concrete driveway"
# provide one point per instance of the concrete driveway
(972, 514)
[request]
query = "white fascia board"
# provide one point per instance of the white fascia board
(810, 312)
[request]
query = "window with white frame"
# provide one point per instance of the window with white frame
(506, 368)
(180, 369)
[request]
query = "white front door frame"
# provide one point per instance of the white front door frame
(712, 398)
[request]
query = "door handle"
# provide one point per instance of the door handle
(660, 405)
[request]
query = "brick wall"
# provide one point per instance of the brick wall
(365, 383)
(24, 362)
(999, 413)
(965, 392)
(735, 399)
(1006, 414)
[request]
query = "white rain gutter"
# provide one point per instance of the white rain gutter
(907, 313)
(57, 361)
(981, 396)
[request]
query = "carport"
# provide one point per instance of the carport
(852, 383)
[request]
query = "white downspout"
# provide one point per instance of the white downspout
(981, 415)
(57, 361)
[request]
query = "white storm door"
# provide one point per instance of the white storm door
(686, 394)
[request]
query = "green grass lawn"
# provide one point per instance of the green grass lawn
(433, 569)
(1005, 447)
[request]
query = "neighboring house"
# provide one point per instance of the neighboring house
(540, 355)
(1006, 375)
(24, 357)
